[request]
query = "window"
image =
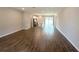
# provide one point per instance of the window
(48, 25)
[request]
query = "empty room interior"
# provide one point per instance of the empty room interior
(39, 29)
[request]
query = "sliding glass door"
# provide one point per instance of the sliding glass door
(48, 24)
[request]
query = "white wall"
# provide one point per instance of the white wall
(56, 23)
(27, 19)
(10, 21)
(69, 25)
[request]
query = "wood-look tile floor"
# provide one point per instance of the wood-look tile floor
(35, 40)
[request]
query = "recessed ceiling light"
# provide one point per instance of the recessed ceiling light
(22, 8)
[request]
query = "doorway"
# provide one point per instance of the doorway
(34, 21)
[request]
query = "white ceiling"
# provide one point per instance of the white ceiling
(41, 10)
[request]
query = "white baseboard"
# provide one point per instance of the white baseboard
(11, 33)
(14, 31)
(26, 28)
(67, 37)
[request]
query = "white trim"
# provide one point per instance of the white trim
(11, 33)
(26, 28)
(66, 37)
(15, 31)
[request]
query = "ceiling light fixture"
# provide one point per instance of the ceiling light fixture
(22, 8)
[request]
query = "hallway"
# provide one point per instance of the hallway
(52, 25)
(35, 40)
